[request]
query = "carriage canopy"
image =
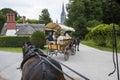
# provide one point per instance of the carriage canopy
(58, 27)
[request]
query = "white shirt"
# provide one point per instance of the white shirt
(59, 39)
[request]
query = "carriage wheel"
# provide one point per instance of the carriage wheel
(66, 55)
(73, 50)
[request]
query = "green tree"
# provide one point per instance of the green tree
(93, 10)
(3, 13)
(20, 21)
(44, 18)
(76, 17)
(9, 10)
(84, 13)
(32, 21)
(111, 10)
(2, 20)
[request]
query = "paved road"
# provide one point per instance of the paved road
(92, 63)
(8, 63)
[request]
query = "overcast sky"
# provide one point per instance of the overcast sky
(32, 8)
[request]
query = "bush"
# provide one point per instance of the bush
(38, 39)
(13, 41)
(93, 23)
(102, 34)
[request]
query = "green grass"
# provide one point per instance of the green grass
(88, 43)
(92, 44)
(10, 49)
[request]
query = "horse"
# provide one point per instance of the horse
(36, 66)
(75, 42)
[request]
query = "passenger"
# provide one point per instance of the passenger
(60, 39)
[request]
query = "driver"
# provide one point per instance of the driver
(50, 38)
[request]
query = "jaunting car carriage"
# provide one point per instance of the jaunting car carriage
(67, 48)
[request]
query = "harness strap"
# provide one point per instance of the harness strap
(43, 70)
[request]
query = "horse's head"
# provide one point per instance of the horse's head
(26, 46)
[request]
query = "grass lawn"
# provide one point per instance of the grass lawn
(88, 43)
(92, 44)
(11, 49)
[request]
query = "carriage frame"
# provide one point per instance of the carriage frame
(67, 48)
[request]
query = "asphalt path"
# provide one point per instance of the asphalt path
(9, 62)
(90, 62)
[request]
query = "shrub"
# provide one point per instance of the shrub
(38, 39)
(102, 34)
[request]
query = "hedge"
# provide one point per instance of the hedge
(13, 41)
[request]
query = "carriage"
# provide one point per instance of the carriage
(67, 48)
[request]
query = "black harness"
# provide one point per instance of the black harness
(31, 53)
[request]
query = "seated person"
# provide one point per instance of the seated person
(49, 37)
(60, 39)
